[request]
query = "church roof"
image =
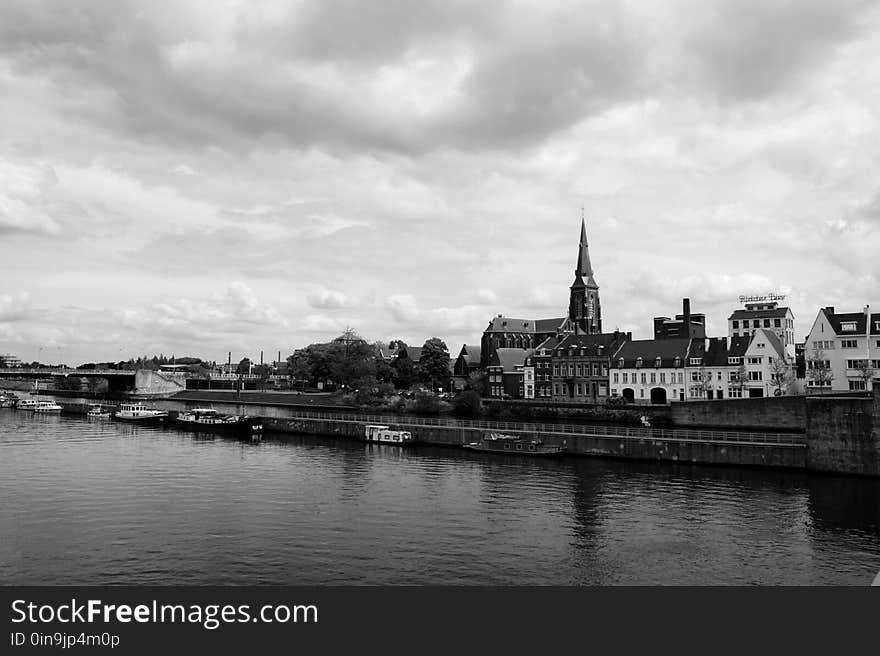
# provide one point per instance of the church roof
(584, 270)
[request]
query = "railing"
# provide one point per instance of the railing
(66, 372)
(628, 432)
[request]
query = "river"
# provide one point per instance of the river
(95, 502)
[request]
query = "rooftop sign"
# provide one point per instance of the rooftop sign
(760, 298)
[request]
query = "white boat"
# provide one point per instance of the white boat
(385, 435)
(47, 406)
(139, 413)
(28, 404)
(97, 411)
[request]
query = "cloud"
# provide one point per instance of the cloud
(328, 299)
(15, 307)
(25, 199)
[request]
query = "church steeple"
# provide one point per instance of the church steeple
(584, 311)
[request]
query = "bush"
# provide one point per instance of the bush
(426, 404)
(467, 404)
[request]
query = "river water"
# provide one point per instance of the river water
(94, 502)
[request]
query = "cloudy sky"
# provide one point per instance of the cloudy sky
(203, 177)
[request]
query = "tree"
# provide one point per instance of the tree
(866, 373)
(244, 367)
(262, 372)
(819, 369)
(780, 375)
(434, 362)
(404, 373)
(741, 377)
(476, 381)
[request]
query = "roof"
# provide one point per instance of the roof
(414, 353)
(509, 358)
(836, 321)
(650, 349)
(471, 354)
(583, 274)
(502, 324)
(759, 314)
(591, 343)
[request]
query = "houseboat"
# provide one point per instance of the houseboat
(138, 413)
(385, 435)
(503, 443)
(98, 411)
(47, 406)
(208, 419)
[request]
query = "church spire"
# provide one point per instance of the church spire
(584, 268)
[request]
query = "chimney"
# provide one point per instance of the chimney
(686, 311)
(230, 358)
(829, 309)
(261, 357)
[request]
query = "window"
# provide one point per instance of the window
(695, 360)
(854, 364)
(766, 323)
(604, 369)
(695, 376)
(761, 345)
(777, 323)
(580, 370)
(734, 393)
(857, 386)
(620, 363)
(638, 362)
(848, 326)
(615, 377)
(596, 370)
(578, 389)
(624, 377)
(642, 392)
(719, 375)
(681, 378)
(653, 377)
(662, 377)
(556, 369)
(676, 362)
(735, 323)
(755, 375)
(734, 360)
(754, 360)
(657, 361)
(644, 379)
(849, 343)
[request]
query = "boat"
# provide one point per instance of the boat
(27, 404)
(8, 400)
(504, 443)
(47, 406)
(97, 411)
(139, 413)
(208, 419)
(384, 435)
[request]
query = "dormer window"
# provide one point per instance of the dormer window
(620, 363)
(676, 362)
(848, 326)
(638, 362)
(658, 361)
(696, 361)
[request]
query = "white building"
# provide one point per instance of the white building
(763, 312)
(650, 371)
(846, 348)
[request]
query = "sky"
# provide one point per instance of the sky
(199, 178)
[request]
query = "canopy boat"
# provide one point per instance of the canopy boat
(47, 406)
(504, 443)
(98, 411)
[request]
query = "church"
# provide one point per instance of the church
(584, 314)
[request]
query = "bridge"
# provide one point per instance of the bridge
(43, 372)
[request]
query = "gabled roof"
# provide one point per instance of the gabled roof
(549, 343)
(504, 324)
(759, 314)
(771, 338)
(470, 354)
(738, 346)
(414, 353)
(509, 358)
(859, 318)
(650, 349)
(590, 343)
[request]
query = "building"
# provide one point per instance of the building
(9, 360)
(842, 351)
(685, 325)
(464, 366)
(650, 370)
(584, 314)
(506, 375)
(573, 368)
(764, 312)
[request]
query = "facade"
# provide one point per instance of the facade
(650, 370)
(506, 375)
(506, 332)
(842, 351)
(573, 368)
(9, 360)
(466, 364)
(767, 314)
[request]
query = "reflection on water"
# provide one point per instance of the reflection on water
(104, 502)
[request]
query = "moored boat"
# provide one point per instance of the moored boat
(98, 411)
(139, 413)
(504, 443)
(27, 404)
(208, 419)
(8, 400)
(47, 406)
(384, 435)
